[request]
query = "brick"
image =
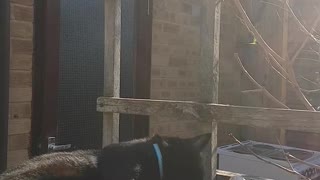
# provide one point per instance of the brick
(172, 83)
(186, 8)
(160, 49)
(19, 110)
(157, 25)
(160, 60)
(20, 94)
(19, 126)
(171, 28)
(21, 29)
(18, 142)
(16, 157)
(20, 79)
(21, 62)
(158, 83)
(23, 2)
(165, 94)
(22, 46)
(22, 13)
(177, 61)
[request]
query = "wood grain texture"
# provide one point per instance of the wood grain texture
(16, 157)
(299, 120)
(18, 142)
(20, 94)
(112, 67)
(19, 126)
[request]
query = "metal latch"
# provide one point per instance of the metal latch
(53, 147)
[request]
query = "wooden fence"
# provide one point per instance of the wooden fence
(111, 105)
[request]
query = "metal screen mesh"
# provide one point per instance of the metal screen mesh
(81, 73)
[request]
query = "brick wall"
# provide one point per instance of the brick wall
(177, 46)
(21, 43)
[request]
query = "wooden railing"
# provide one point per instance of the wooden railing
(204, 110)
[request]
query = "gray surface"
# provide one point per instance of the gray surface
(80, 73)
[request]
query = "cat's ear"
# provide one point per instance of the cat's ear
(199, 142)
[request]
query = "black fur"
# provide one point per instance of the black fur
(133, 160)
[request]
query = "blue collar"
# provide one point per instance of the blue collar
(159, 158)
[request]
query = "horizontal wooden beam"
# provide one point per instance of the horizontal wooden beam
(299, 120)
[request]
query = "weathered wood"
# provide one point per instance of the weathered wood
(230, 175)
(112, 67)
(19, 126)
(215, 83)
(16, 157)
(299, 120)
(18, 142)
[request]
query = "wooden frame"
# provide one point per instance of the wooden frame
(209, 82)
(4, 80)
(205, 111)
(112, 67)
(46, 74)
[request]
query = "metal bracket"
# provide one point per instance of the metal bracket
(52, 147)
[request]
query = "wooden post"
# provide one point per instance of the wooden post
(216, 54)
(112, 67)
(285, 33)
(209, 76)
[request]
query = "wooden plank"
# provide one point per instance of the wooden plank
(112, 67)
(20, 94)
(18, 142)
(16, 157)
(299, 120)
(19, 126)
(229, 175)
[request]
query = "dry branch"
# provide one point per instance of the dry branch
(265, 92)
(277, 60)
(314, 25)
(267, 161)
(302, 27)
(303, 162)
(256, 34)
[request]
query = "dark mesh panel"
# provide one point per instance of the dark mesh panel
(127, 64)
(81, 73)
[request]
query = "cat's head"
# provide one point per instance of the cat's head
(156, 158)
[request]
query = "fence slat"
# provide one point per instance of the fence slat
(299, 120)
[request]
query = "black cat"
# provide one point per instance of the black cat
(155, 158)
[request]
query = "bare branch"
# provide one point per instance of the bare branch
(314, 25)
(303, 162)
(284, 154)
(267, 161)
(302, 27)
(265, 92)
(256, 34)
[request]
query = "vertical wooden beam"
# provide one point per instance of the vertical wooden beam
(215, 71)
(209, 74)
(285, 32)
(4, 79)
(112, 67)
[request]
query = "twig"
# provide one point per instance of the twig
(310, 81)
(267, 161)
(278, 60)
(256, 34)
(298, 91)
(303, 162)
(314, 25)
(302, 27)
(284, 154)
(252, 91)
(266, 92)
